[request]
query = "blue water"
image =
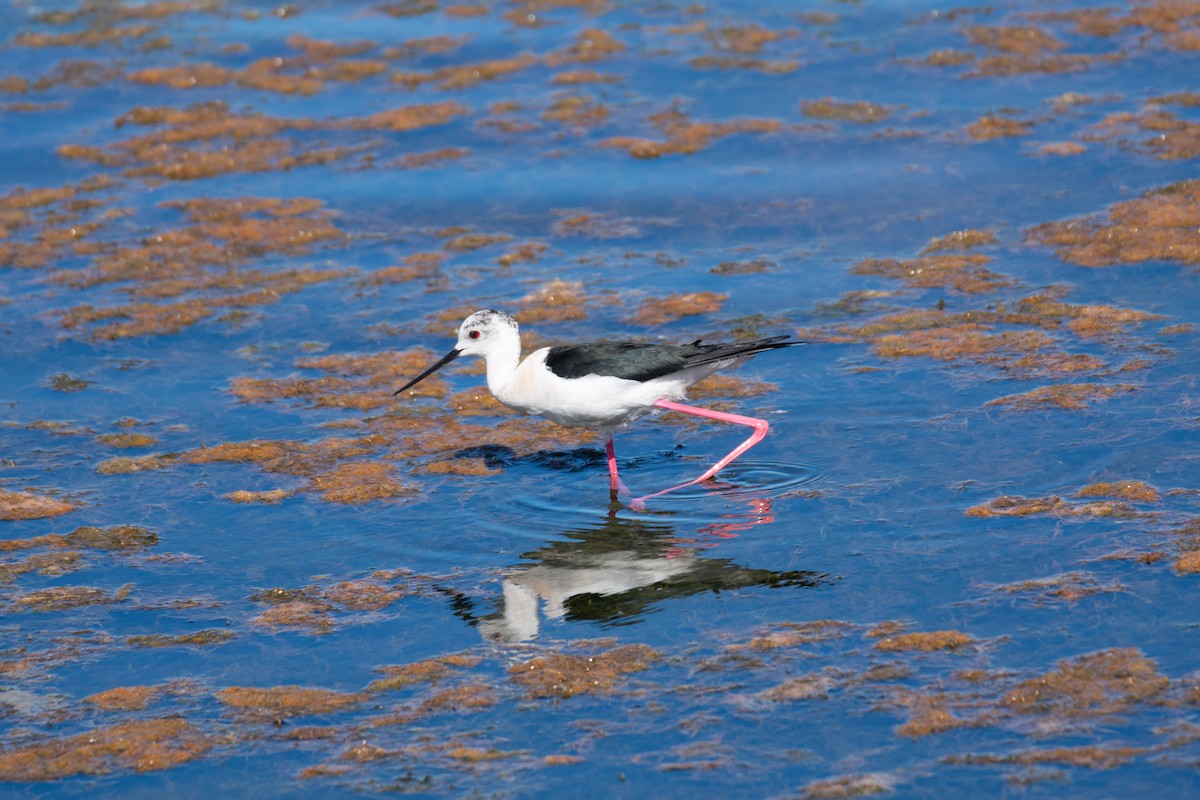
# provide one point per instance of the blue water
(852, 510)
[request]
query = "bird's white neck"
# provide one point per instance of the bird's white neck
(502, 360)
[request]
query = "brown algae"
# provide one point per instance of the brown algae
(1070, 396)
(27, 505)
(1161, 225)
(660, 311)
(1095, 685)
(962, 273)
(141, 746)
(859, 111)
(924, 642)
(562, 675)
(286, 701)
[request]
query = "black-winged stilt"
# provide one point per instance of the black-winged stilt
(601, 384)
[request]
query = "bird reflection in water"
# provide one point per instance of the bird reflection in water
(613, 572)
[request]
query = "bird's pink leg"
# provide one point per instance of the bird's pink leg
(614, 480)
(760, 430)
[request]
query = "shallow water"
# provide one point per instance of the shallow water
(962, 562)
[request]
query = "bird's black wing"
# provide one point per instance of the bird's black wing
(636, 361)
(632, 361)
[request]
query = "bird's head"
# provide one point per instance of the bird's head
(480, 334)
(484, 330)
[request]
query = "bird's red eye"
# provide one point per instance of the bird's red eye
(473, 335)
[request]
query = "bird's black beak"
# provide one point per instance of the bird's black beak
(446, 359)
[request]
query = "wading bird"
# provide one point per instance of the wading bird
(601, 384)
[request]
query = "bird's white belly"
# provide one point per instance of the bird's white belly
(594, 401)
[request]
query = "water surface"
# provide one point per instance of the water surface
(962, 562)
